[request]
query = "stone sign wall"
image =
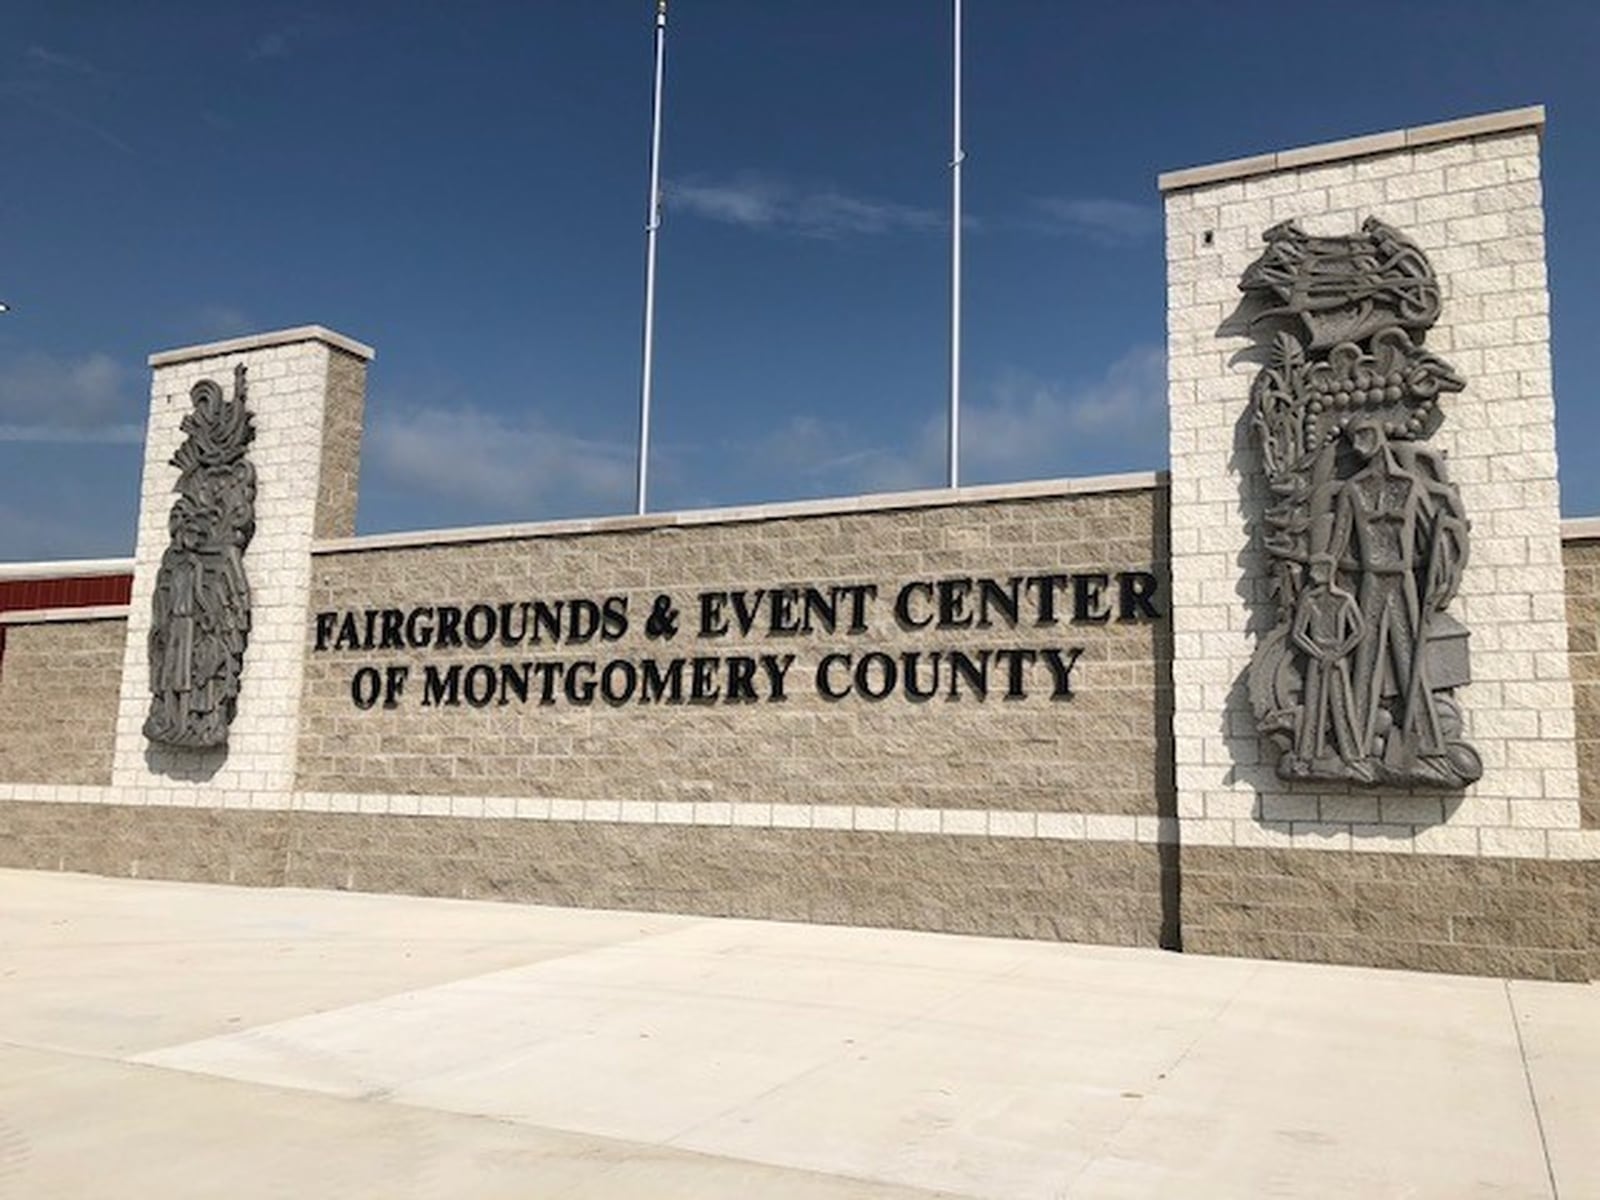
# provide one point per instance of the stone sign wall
(1026, 710)
(1006, 656)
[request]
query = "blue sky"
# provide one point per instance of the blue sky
(463, 187)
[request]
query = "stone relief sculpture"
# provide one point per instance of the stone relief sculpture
(201, 620)
(1366, 534)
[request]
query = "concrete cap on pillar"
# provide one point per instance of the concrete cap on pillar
(261, 341)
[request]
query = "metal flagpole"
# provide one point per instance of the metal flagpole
(652, 226)
(955, 267)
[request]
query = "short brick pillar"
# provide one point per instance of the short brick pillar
(306, 390)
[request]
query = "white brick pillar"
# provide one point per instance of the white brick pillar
(1468, 193)
(305, 389)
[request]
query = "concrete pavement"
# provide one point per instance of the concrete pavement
(181, 1040)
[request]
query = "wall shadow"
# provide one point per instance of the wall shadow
(1169, 851)
(185, 766)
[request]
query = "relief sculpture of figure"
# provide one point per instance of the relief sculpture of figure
(1328, 624)
(1366, 535)
(201, 613)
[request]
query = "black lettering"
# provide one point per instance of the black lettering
(546, 621)
(741, 676)
(976, 674)
(889, 675)
(776, 666)
(713, 623)
(1044, 588)
(512, 633)
(994, 595)
(514, 679)
(325, 625)
(909, 663)
(370, 618)
(579, 683)
(391, 636)
(1061, 670)
(822, 612)
(394, 683)
(745, 612)
(348, 638)
(1014, 661)
(1138, 595)
(703, 687)
(953, 610)
(780, 605)
(859, 594)
(548, 673)
(662, 685)
(583, 621)
(480, 625)
(441, 689)
(902, 606)
(618, 668)
(478, 685)
(365, 686)
(825, 679)
(1088, 598)
(613, 618)
(449, 627)
(419, 628)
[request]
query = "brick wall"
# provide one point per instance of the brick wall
(1422, 912)
(1104, 751)
(1581, 557)
(1093, 892)
(58, 701)
(1025, 816)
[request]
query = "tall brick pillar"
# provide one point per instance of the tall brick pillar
(306, 389)
(1386, 862)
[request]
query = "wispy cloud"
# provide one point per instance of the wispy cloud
(1103, 221)
(272, 44)
(522, 468)
(125, 434)
(1031, 426)
(829, 456)
(63, 62)
(44, 398)
(220, 321)
(288, 39)
(769, 204)
(476, 465)
(59, 86)
(1020, 427)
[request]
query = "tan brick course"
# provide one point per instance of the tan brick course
(58, 701)
(1103, 751)
(1581, 559)
(1522, 917)
(1092, 892)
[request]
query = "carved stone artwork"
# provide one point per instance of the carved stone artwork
(1366, 534)
(201, 620)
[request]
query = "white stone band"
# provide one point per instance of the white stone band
(1394, 838)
